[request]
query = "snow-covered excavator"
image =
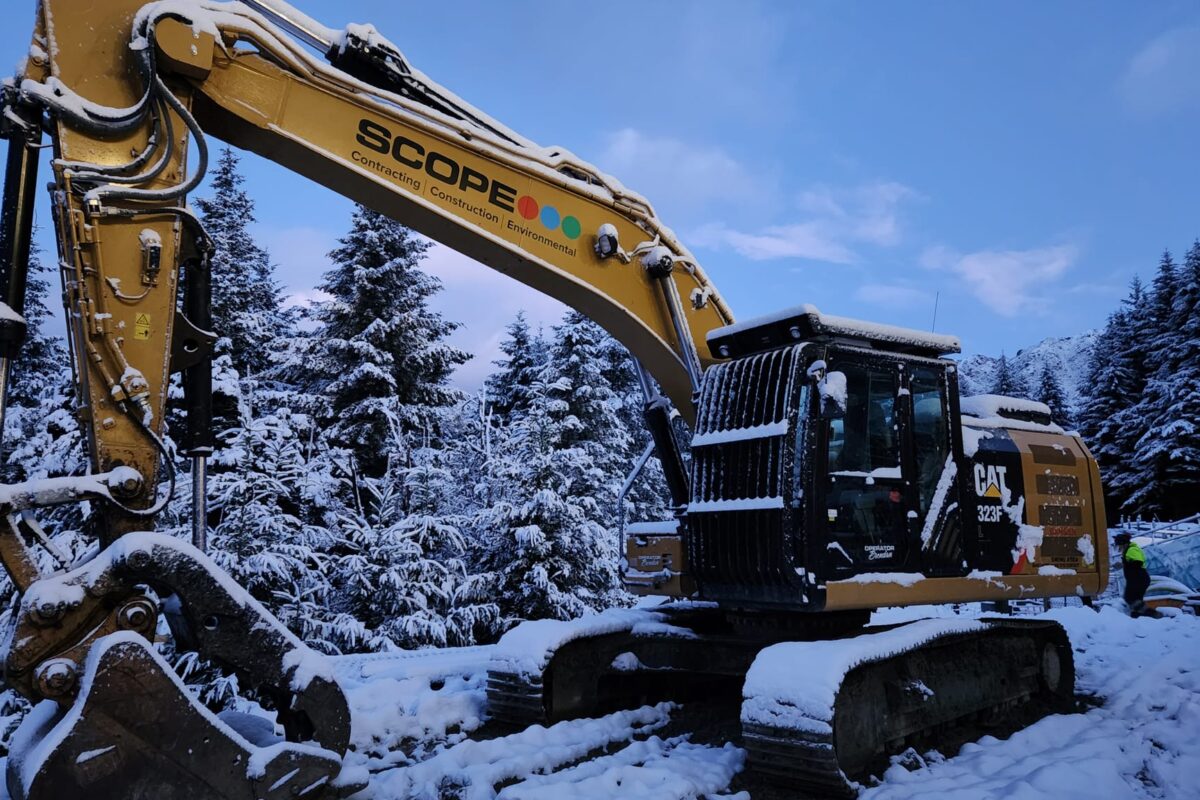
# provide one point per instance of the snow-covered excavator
(833, 467)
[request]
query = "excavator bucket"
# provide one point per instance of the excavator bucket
(134, 732)
(115, 721)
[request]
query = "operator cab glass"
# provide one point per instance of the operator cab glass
(883, 458)
(865, 497)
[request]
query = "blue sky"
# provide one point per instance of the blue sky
(1022, 161)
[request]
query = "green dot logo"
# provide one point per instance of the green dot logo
(571, 228)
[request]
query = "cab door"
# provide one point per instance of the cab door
(869, 504)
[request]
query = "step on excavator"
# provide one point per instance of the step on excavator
(833, 467)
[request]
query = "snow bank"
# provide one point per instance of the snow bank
(652, 769)
(793, 685)
(475, 768)
(407, 705)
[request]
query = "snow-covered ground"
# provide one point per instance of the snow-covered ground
(420, 729)
(414, 716)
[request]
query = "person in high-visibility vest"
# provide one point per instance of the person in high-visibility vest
(1137, 579)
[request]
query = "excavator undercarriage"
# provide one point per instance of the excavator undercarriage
(821, 709)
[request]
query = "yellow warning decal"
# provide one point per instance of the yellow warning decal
(141, 326)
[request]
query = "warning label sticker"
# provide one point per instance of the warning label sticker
(141, 326)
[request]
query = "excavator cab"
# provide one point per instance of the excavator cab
(828, 472)
(817, 456)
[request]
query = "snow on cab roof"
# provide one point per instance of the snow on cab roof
(806, 322)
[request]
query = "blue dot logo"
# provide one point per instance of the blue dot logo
(550, 217)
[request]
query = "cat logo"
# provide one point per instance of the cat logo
(989, 481)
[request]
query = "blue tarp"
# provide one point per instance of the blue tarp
(1178, 558)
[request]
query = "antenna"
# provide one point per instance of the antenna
(933, 327)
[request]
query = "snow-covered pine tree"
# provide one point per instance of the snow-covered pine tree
(1050, 392)
(1113, 386)
(264, 532)
(403, 572)
(1007, 382)
(1130, 332)
(246, 303)
(381, 356)
(41, 367)
(1166, 462)
(648, 497)
(525, 355)
(551, 539)
(548, 556)
(577, 373)
(1142, 483)
(469, 431)
(42, 438)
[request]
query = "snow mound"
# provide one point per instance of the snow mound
(475, 768)
(407, 705)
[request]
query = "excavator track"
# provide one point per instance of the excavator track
(932, 684)
(938, 695)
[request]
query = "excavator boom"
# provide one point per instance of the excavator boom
(126, 93)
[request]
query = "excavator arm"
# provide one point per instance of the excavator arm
(126, 93)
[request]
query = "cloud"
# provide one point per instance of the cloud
(807, 240)
(1165, 74)
(837, 221)
(1009, 282)
(682, 177)
(892, 296)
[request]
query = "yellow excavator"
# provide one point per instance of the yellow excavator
(833, 467)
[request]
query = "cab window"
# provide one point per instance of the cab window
(867, 516)
(865, 439)
(929, 431)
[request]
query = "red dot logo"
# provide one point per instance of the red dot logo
(527, 207)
